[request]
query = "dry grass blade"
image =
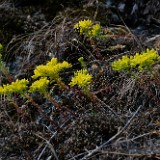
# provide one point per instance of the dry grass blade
(49, 146)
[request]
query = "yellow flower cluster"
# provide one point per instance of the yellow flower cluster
(46, 73)
(19, 86)
(51, 69)
(1, 90)
(83, 26)
(39, 85)
(82, 79)
(96, 30)
(141, 61)
(88, 28)
(121, 64)
(144, 60)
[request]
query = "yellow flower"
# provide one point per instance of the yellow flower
(144, 59)
(87, 28)
(121, 64)
(51, 69)
(19, 86)
(96, 30)
(82, 79)
(141, 61)
(52, 62)
(39, 85)
(1, 90)
(83, 26)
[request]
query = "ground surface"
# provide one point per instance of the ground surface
(84, 128)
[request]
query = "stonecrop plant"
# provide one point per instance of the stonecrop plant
(51, 70)
(87, 28)
(145, 60)
(19, 87)
(141, 61)
(39, 86)
(82, 79)
(121, 64)
(83, 26)
(45, 75)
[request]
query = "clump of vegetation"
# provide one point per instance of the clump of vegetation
(88, 28)
(51, 70)
(47, 74)
(19, 86)
(40, 86)
(82, 79)
(141, 61)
